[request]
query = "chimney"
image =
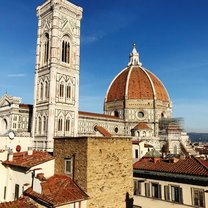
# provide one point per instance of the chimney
(10, 155)
(30, 151)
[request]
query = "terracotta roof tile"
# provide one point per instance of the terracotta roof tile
(58, 190)
(139, 82)
(25, 105)
(118, 87)
(22, 159)
(188, 166)
(103, 131)
(23, 202)
(141, 125)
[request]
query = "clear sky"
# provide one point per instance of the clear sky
(171, 37)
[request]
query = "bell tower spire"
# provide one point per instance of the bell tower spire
(134, 57)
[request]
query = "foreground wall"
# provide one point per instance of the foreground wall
(102, 168)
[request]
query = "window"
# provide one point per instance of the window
(44, 124)
(68, 166)
(5, 188)
(147, 189)
(116, 113)
(140, 114)
(46, 89)
(39, 125)
(60, 124)
(68, 91)
(61, 90)
(166, 193)
(176, 194)
(156, 190)
(41, 91)
(198, 198)
(67, 127)
(46, 48)
(136, 153)
(16, 193)
(65, 51)
(137, 187)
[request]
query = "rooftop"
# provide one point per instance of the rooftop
(22, 159)
(188, 166)
(23, 202)
(58, 190)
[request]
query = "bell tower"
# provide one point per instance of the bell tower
(56, 88)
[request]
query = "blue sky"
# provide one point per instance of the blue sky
(171, 37)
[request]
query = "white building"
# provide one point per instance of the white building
(180, 183)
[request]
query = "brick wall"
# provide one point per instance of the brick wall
(103, 168)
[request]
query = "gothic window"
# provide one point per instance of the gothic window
(41, 91)
(65, 50)
(46, 89)
(61, 90)
(46, 48)
(44, 124)
(39, 125)
(67, 127)
(60, 124)
(68, 91)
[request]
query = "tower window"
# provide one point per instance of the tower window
(60, 124)
(61, 90)
(46, 89)
(68, 91)
(67, 127)
(41, 91)
(65, 52)
(46, 49)
(39, 125)
(44, 124)
(68, 166)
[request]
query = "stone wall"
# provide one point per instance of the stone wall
(103, 168)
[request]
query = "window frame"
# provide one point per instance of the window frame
(66, 160)
(193, 191)
(137, 188)
(177, 194)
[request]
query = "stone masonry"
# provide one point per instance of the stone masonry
(102, 168)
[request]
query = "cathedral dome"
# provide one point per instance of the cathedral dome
(136, 82)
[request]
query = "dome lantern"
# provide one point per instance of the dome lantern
(134, 57)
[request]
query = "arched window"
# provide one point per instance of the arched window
(41, 91)
(46, 89)
(116, 113)
(68, 91)
(60, 124)
(61, 90)
(46, 48)
(39, 125)
(44, 124)
(67, 126)
(65, 50)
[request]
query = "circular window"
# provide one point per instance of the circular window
(140, 114)
(116, 129)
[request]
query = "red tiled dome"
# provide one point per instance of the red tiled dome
(135, 82)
